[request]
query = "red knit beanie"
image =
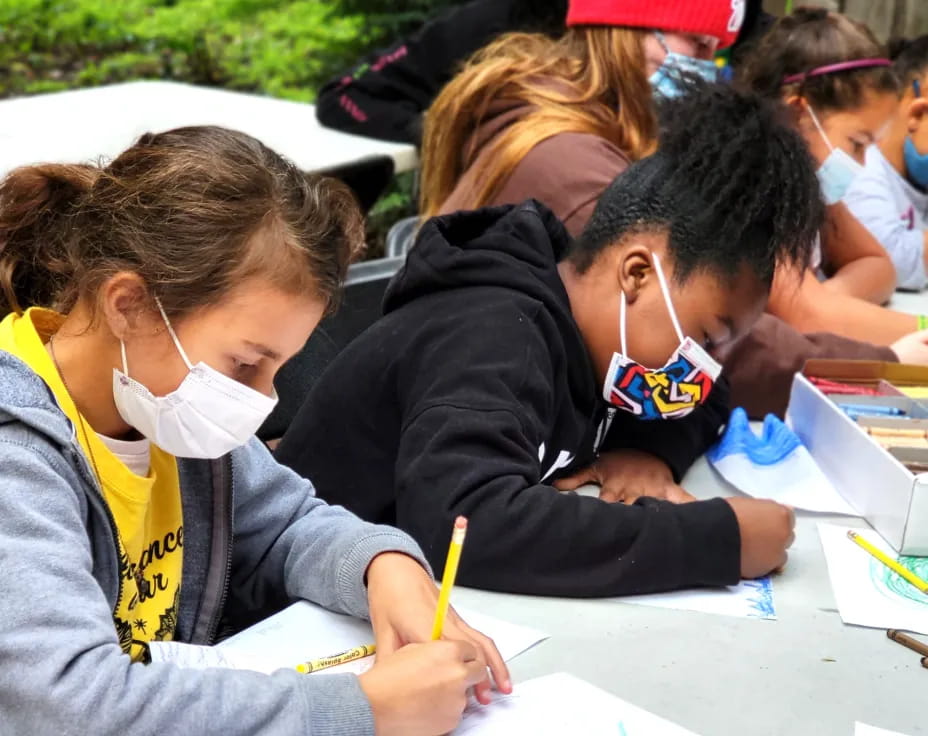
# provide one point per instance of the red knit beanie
(719, 18)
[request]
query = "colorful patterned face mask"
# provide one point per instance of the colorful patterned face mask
(670, 392)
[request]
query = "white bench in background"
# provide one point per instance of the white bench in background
(87, 124)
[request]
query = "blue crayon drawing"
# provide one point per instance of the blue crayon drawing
(760, 598)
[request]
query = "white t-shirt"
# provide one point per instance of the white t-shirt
(134, 454)
(897, 215)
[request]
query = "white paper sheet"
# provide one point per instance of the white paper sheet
(796, 481)
(862, 729)
(559, 704)
(305, 631)
(867, 592)
(750, 599)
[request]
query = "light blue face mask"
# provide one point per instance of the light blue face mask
(838, 171)
(916, 164)
(670, 78)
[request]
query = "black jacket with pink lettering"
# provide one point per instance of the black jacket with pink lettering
(385, 95)
(472, 394)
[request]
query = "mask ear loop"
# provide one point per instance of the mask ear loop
(173, 336)
(666, 292)
(819, 128)
(125, 364)
(622, 324)
(662, 41)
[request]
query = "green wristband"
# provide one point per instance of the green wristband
(922, 321)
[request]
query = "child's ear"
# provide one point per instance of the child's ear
(917, 113)
(796, 106)
(634, 269)
(126, 304)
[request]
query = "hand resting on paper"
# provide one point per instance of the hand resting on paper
(625, 475)
(418, 686)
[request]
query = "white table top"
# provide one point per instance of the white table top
(85, 124)
(728, 676)
(912, 302)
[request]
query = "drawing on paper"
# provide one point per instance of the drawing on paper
(892, 585)
(760, 598)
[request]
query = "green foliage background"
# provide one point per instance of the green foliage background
(282, 48)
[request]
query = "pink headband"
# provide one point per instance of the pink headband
(841, 66)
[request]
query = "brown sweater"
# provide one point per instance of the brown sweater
(568, 172)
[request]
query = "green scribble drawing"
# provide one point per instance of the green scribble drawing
(893, 585)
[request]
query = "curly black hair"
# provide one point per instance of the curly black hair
(732, 183)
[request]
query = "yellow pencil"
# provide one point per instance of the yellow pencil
(451, 571)
(892, 564)
(314, 665)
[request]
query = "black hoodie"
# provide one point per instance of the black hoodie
(471, 395)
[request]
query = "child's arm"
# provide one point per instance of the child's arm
(808, 306)
(526, 537)
(62, 657)
(761, 366)
(860, 267)
(872, 204)
(290, 543)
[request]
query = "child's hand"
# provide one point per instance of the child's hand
(422, 688)
(913, 348)
(403, 599)
(625, 475)
(767, 531)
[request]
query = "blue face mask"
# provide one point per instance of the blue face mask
(670, 78)
(916, 164)
(837, 172)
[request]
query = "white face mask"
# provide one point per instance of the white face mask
(207, 416)
(838, 171)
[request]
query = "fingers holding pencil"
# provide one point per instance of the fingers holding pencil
(457, 629)
(449, 625)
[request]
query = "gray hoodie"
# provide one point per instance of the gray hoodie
(254, 533)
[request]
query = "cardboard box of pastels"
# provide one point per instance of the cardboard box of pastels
(866, 425)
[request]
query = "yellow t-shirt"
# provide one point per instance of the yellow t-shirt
(147, 510)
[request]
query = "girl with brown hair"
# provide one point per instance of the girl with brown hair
(557, 120)
(136, 506)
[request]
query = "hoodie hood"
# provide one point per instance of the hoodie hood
(26, 398)
(515, 247)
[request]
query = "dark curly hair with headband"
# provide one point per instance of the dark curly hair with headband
(809, 39)
(732, 184)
